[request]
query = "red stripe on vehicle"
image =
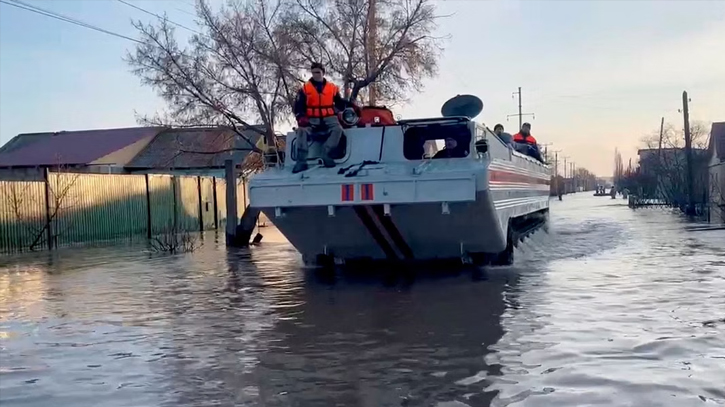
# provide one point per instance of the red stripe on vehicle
(505, 176)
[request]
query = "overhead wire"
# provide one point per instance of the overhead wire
(38, 10)
(185, 12)
(157, 16)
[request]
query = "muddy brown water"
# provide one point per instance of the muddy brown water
(612, 308)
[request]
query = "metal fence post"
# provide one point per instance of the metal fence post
(148, 207)
(216, 207)
(174, 192)
(232, 220)
(201, 208)
(48, 217)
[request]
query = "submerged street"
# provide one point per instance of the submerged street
(612, 307)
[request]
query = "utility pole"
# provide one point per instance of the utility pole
(371, 41)
(556, 171)
(565, 183)
(688, 156)
(658, 170)
(546, 151)
(520, 118)
(573, 179)
(520, 114)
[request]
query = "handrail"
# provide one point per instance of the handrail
(452, 119)
(532, 159)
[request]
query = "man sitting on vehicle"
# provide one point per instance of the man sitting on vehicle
(452, 150)
(502, 135)
(526, 143)
(316, 109)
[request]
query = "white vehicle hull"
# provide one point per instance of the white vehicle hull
(464, 209)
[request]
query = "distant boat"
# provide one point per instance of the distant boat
(601, 191)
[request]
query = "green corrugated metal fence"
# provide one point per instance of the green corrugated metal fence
(85, 208)
(187, 203)
(92, 207)
(206, 187)
(22, 214)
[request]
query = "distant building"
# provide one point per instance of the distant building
(716, 166)
(69, 187)
(192, 150)
(665, 172)
(198, 151)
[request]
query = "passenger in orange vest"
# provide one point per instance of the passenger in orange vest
(316, 109)
(524, 135)
(526, 143)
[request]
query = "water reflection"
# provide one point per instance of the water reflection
(612, 308)
(369, 340)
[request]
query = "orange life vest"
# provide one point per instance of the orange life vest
(519, 138)
(320, 104)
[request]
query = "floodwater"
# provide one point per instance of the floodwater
(612, 308)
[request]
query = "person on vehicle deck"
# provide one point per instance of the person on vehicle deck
(316, 107)
(524, 135)
(505, 137)
(452, 150)
(527, 142)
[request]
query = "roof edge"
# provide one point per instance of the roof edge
(91, 130)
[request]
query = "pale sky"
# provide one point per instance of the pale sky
(597, 74)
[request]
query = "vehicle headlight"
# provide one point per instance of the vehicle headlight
(349, 117)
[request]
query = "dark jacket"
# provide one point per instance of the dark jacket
(458, 152)
(300, 107)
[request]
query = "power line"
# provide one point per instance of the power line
(24, 6)
(34, 9)
(157, 16)
(186, 12)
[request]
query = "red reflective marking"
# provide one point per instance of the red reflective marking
(347, 192)
(366, 192)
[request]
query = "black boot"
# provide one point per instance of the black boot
(327, 161)
(301, 161)
(299, 167)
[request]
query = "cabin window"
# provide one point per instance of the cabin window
(415, 138)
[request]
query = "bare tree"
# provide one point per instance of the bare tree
(19, 197)
(585, 178)
(172, 240)
(665, 161)
(228, 74)
(618, 167)
(246, 61)
(391, 44)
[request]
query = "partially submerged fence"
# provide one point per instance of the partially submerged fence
(70, 208)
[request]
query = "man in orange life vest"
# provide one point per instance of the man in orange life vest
(528, 143)
(315, 109)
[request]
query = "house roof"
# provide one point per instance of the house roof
(717, 139)
(193, 148)
(70, 147)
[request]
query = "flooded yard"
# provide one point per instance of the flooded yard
(613, 307)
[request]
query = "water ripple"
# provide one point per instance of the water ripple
(611, 307)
